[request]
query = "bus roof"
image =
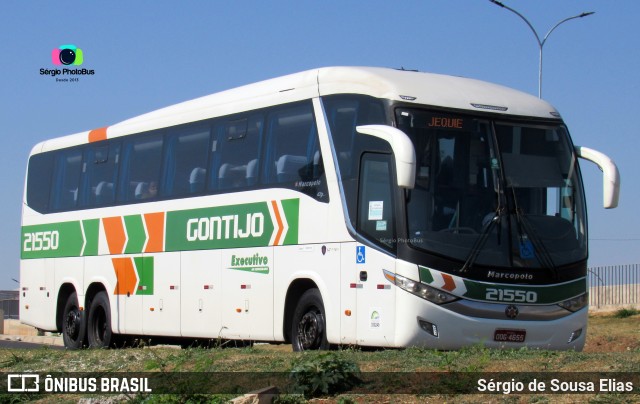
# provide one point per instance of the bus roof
(401, 85)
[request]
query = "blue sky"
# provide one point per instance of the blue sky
(150, 54)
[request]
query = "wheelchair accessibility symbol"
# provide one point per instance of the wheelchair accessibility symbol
(360, 255)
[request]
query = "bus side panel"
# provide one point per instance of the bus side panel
(319, 263)
(348, 292)
(159, 286)
(37, 294)
(247, 293)
(201, 292)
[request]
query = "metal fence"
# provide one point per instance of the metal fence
(617, 285)
(9, 303)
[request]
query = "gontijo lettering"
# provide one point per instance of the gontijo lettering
(228, 226)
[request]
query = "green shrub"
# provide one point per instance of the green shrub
(624, 313)
(328, 373)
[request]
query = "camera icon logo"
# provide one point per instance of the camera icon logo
(67, 55)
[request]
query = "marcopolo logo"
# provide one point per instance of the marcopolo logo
(67, 55)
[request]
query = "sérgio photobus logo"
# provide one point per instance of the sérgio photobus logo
(67, 61)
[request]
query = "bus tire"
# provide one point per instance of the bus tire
(99, 331)
(73, 323)
(309, 327)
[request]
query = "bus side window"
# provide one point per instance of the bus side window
(185, 161)
(376, 211)
(66, 179)
(39, 181)
(292, 144)
(100, 174)
(293, 157)
(238, 148)
(141, 161)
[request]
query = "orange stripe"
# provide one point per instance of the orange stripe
(449, 283)
(155, 228)
(125, 275)
(279, 220)
(97, 135)
(116, 236)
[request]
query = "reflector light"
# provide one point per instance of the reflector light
(574, 335)
(428, 327)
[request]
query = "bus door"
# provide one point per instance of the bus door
(376, 223)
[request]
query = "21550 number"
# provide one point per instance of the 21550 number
(510, 295)
(41, 241)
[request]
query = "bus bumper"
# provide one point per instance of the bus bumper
(425, 324)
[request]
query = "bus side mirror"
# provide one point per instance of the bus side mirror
(610, 175)
(402, 150)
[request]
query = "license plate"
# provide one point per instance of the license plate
(509, 335)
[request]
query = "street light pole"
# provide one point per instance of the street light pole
(535, 33)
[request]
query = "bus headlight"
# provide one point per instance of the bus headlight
(419, 289)
(576, 303)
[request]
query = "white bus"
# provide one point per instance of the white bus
(337, 206)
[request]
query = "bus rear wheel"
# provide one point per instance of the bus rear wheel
(73, 323)
(99, 322)
(308, 331)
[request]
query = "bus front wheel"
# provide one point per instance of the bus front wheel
(99, 322)
(308, 331)
(73, 323)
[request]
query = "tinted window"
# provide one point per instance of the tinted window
(293, 153)
(101, 174)
(276, 146)
(39, 181)
(238, 145)
(375, 209)
(186, 161)
(344, 113)
(141, 161)
(67, 170)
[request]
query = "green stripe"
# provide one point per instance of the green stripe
(291, 209)
(145, 270)
(245, 225)
(52, 240)
(233, 226)
(136, 236)
(425, 275)
(91, 229)
(545, 294)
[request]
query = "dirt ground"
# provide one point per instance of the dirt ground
(608, 334)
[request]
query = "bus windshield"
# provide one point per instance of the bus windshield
(493, 193)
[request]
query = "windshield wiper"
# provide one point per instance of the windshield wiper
(528, 237)
(480, 241)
